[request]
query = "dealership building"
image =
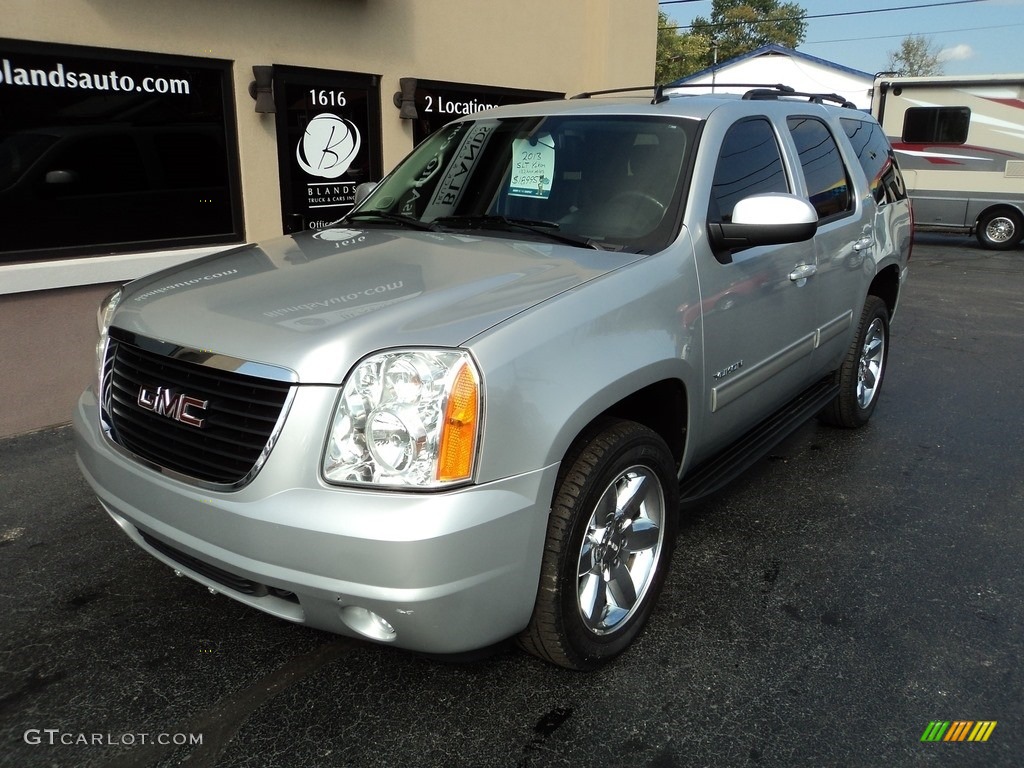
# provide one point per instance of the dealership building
(138, 136)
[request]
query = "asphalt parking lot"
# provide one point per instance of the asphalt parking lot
(850, 589)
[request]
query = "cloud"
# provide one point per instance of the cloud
(960, 52)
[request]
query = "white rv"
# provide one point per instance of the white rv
(960, 143)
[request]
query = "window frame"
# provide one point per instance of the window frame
(93, 60)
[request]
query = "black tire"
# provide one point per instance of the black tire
(1001, 229)
(620, 473)
(860, 376)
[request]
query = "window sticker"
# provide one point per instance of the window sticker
(533, 167)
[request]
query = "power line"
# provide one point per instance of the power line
(827, 15)
(924, 34)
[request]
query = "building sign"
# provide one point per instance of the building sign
(106, 150)
(328, 142)
(438, 103)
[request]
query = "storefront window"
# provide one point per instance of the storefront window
(105, 151)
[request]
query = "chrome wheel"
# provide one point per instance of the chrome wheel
(872, 358)
(859, 377)
(621, 549)
(610, 535)
(1000, 230)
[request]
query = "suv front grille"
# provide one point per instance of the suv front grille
(239, 421)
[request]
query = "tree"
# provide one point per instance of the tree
(678, 54)
(917, 57)
(739, 26)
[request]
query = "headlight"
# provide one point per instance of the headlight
(104, 315)
(407, 418)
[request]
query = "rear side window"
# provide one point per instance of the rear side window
(828, 183)
(749, 163)
(936, 125)
(876, 158)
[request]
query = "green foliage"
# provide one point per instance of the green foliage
(735, 27)
(917, 56)
(678, 54)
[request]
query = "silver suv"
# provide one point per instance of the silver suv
(471, 409)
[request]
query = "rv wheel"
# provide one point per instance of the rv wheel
(1001, 229)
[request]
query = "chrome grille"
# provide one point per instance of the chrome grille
(240, 420)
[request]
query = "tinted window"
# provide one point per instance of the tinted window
(749, 163)
(936, 125)
(876, 158)
(104, 151)
(615, 181)
(828, 184)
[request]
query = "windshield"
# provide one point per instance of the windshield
(603, 181)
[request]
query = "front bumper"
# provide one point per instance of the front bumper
(449, 571)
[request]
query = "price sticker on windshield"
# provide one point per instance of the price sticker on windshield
(533, 167)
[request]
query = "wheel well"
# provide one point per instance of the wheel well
(886, 286)
(998, 208)
(660, 407)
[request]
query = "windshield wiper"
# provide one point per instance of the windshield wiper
(546, 229)
(397, 218)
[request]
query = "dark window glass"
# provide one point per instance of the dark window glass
(749, 163)
(876, 158)
(936, 125)
(615, 182)
(107, 151)
(828, 184)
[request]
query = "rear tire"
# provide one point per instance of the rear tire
(610, 537)
(1000, 230)
(860, 376)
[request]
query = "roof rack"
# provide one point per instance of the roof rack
(659, 90)
(757, 91)
(770, 92)
(658, 97)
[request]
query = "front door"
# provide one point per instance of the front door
(758, 312)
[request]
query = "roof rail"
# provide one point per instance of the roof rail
(816, 98)
(757, 91)
(659, 90)
(775, 87)
(658, 95)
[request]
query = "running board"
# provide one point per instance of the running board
(718, 471)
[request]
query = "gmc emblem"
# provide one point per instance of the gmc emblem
(179, 407)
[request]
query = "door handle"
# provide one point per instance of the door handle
(865, 242)
(802, 272)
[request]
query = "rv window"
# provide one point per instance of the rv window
(936, 125)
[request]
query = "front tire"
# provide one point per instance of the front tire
(1000, 230)
(610, 537)
(860, 376)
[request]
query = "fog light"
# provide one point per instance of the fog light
(368, 624)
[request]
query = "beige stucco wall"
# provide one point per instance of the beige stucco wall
(568, 45)
(561, 45)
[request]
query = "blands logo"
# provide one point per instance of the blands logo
(328, 146)
(958, 730)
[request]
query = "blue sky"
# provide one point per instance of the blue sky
(976, 38)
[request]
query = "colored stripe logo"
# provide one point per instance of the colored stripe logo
(958, 730)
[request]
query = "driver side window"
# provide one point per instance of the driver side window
(749, 163)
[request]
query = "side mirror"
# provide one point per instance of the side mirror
(363, 191)
(768, 219)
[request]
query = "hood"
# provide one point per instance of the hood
(318, 302)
